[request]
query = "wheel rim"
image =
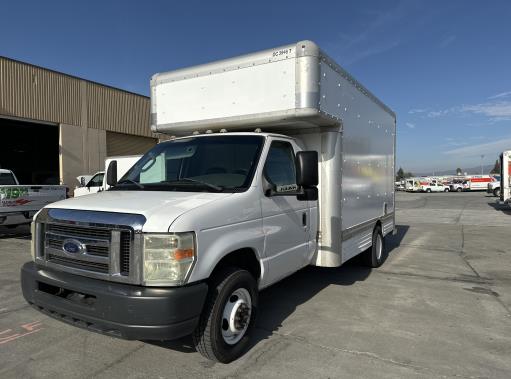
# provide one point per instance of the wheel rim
(379, 247)
(236, 316)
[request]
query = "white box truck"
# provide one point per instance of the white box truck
(97, 182)
(280, 159)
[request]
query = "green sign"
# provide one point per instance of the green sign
(13, 192)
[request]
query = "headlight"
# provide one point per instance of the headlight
(168, 258)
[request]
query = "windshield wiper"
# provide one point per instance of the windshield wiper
(205, 184)
(126, 181)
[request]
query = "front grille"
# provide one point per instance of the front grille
(125, 252)
(54, 244)
(75, 263)
(78, 231)
(100, 251)
(95, 246)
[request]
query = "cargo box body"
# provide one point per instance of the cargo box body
(298, 90)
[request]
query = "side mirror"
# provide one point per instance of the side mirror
(307, 168)
(111, 174)
(307, 175)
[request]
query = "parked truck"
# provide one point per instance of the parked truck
(505, 177)
(278, 160)
(19, 203)
(494, 186)
(97, 182)
(434, 185)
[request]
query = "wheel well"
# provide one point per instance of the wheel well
(242, 258)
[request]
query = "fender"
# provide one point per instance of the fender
(215, 243)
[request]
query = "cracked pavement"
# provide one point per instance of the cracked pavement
(440, 307)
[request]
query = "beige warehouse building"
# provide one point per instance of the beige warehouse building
(54, 127)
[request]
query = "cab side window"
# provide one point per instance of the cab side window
(96, 181)
(279, 168)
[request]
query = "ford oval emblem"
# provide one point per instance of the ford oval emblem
(71, 246)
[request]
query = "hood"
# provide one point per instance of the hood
(160, 208)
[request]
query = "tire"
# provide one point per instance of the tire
(376, 254)
(446, 190)
(428, 190)
(496, 192)
(459, 189)
(213, 337)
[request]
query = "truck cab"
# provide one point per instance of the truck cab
(93, 185)
(7, 178)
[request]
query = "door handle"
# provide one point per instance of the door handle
(304, 219)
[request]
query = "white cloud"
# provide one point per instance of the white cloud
(456, 143)
(383, 30)
(447, 41)
(500, 95)
(488, 149)
(417, 110)
(501, 109)
(435, 114)
(410, 125)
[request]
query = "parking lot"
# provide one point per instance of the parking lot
(439, 307)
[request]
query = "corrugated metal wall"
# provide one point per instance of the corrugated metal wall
(124, 144)
(32, 92)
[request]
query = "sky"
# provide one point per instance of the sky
(444, 67)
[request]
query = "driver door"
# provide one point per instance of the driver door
(285, 219)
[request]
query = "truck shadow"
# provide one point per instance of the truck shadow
(21, 232)
(281, 300)
(504, 208)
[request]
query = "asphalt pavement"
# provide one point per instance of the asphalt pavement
(439, 307)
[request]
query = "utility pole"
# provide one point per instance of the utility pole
(482, 157)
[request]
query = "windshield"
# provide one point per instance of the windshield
(195, 164)
(6, 178)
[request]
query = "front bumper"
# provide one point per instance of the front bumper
(120, 310)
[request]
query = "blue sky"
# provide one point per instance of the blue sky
(443, 66)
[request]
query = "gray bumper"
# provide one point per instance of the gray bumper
(119, 310)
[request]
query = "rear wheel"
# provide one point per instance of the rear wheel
(376, 255)
(496, 192)
(459, 189)
(428, 190)
(228, 317)
(446, 190)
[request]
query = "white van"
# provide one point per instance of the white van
(280, 159)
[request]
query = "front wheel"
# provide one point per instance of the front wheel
(496, 192)
(459, 190)
(446, 190)
(428, 190)
(228, 317)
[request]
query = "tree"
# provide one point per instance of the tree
(400, 174)
(496, 168)
(459, 171)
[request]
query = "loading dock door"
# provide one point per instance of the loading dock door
(31, 150)
(124, 144)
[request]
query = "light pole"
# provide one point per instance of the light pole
(482, 157)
